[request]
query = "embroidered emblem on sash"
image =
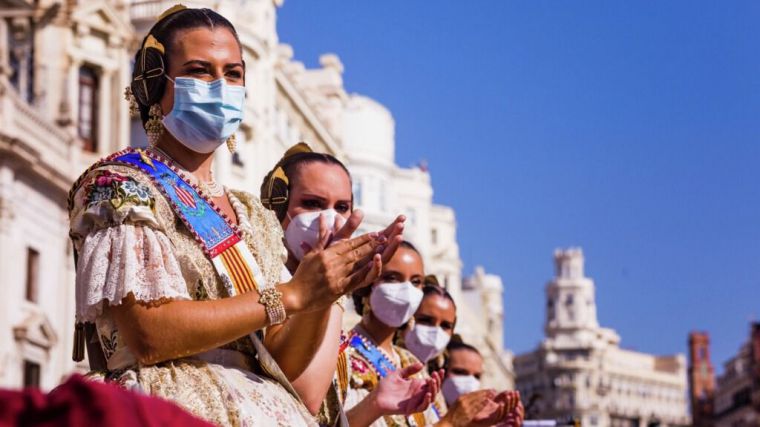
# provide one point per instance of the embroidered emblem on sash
(185, 197)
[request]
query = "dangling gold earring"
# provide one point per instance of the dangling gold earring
(134, 111)
(232, 143)
(154, 127)
(366, 309)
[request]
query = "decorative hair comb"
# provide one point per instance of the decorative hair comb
(279, 173)
(176, 8)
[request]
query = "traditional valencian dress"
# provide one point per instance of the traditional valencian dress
(139, 228)
(367, 364)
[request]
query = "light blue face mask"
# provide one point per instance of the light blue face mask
(205, 114)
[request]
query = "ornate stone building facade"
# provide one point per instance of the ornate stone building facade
(733, 399)
(63, 68)
(580, 371)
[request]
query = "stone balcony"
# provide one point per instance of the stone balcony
(37, 142)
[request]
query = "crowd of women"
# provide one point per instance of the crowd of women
(231, 305)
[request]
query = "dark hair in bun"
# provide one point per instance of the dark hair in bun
(152, 59)
(275, 188)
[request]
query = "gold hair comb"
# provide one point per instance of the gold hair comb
(176, 8)
(151, 41)
(279, 173)
(301, 147)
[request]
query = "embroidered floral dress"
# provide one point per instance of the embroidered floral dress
(363, 378)
(129, 241)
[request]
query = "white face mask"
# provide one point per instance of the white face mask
(394, 303)
(426, 341)
(457, 385)
(304, 228)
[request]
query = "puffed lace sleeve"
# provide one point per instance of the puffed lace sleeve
(121, 248)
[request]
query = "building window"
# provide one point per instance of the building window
(569, 300)
(434, 236)
(32, 274)
(237, 160)
(88, 108)
(357, 190)
(31, 374)
(21, 57)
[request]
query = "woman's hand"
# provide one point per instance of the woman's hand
(486, 408)
(343, 229)
(515, 412)
(325, 274)
(477, 409)
(398, 393)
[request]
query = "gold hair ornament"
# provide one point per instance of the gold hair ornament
(134, 111)
(279, 173)
(176, 8)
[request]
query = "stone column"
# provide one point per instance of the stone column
(105, 114)
(10, 276)
(4, 49)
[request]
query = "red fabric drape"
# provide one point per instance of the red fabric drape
(79, 402)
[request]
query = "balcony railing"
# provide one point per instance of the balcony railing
(24, 123)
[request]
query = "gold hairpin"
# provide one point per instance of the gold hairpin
(176, 8)
(279, 173)
(151, 41)
(301, 147)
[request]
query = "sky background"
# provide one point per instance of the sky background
(630, 129)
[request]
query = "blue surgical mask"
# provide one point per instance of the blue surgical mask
(205, 114)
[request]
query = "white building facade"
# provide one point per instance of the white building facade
(580, 372)
(63, 70)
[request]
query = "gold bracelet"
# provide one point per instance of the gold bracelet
(341, 302)
(271, 299)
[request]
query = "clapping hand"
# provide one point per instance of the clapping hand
(486, 408)
(398, 393)
(515, 412)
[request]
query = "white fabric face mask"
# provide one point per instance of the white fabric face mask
(426, 341)
(395, 303)
(304, 228)
(457, 385)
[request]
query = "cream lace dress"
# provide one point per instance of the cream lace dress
(129, 241)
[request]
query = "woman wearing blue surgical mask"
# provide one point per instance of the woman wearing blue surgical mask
(178, 278)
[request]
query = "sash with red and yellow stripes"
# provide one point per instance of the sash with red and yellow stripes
(221, 241)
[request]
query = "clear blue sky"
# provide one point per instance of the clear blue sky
(631, 129)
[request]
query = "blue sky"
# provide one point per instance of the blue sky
(631, 129)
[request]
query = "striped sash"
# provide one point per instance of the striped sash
(220, 240)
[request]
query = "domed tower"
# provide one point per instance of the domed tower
(369, 144)
(570, 302)
(368, 131)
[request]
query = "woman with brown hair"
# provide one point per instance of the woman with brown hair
(180, 281)
(310, 194)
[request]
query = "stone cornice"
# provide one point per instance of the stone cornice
(314, 122)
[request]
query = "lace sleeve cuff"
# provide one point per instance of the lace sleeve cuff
(123, 259)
